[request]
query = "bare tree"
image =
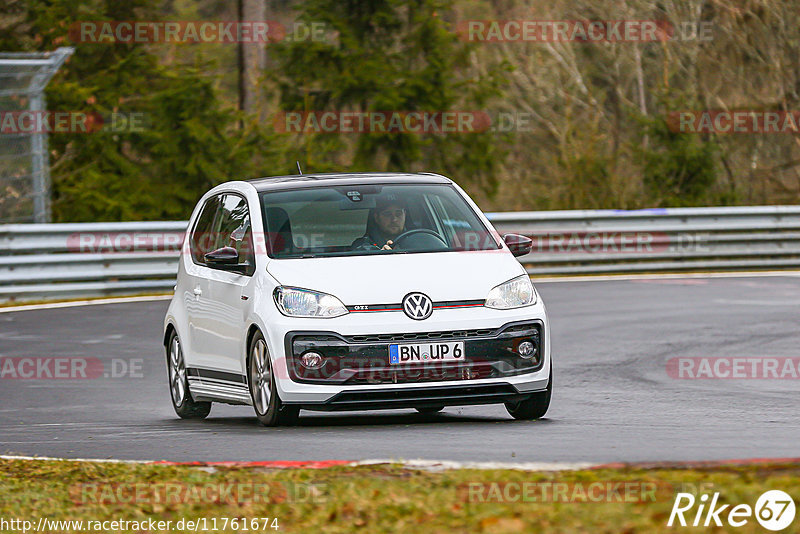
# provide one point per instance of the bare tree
(252, 57)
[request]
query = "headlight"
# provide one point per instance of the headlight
(297, 302)
(515, 293)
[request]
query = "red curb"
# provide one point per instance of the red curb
(287, 464)
(700, 464)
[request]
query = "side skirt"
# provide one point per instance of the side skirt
(208, 385)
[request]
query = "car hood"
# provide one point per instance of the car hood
(386, 279)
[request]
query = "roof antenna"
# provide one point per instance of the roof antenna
(299, 170)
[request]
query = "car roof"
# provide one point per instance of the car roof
(298, 181)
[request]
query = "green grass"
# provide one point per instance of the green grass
(370, 498)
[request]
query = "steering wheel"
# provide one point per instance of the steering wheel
(405, 235)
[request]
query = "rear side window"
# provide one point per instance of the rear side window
(203, 239)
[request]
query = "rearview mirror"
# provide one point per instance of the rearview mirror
(519, 245)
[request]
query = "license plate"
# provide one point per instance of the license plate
(426, 353)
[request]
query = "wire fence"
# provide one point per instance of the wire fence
(24, 158)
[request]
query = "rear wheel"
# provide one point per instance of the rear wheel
(182, 402)
(269, 409)
(536, 406)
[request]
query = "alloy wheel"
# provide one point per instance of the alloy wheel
(261, 376)
(177, 372)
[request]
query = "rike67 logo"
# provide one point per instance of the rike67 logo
(774, 510)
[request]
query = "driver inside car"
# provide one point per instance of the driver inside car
(386, 221)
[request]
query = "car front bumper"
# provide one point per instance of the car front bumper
(362, 378)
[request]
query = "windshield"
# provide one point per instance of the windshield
(371, 219)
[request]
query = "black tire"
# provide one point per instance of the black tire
(269, 409)
(430, 409)
(179, 393)
(536, 406)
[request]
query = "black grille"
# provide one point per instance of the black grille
(418, 373)
(520, 327)
(424, 336)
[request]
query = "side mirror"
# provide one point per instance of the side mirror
(519, 245)
(225, 258)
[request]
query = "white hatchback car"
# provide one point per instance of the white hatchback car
(351, 292)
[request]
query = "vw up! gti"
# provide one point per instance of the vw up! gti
(352, 292)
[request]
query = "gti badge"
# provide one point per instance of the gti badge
(418, 306)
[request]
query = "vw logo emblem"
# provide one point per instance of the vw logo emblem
(418, 306)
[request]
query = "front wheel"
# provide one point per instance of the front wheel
(536, 406)
(182, 402)
(269, 409)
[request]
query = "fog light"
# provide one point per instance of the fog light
(312, 360)
(526, 349)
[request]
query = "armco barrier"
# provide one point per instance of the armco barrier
(42, 261)
(46, 261)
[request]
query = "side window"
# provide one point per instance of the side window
(462, 229)
(232, 229)
(203, 238)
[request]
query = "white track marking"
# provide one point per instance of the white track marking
(71, 304)
(743, 302)
(445, 465)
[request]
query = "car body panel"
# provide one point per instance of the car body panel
(457, 276)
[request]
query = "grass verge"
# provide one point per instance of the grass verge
(372, 499)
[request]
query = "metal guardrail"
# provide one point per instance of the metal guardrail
(43, 261)
(658, 240)
(46, 261)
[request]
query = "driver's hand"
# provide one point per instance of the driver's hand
(388, 245)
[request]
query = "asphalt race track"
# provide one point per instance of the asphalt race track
(613, 401)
